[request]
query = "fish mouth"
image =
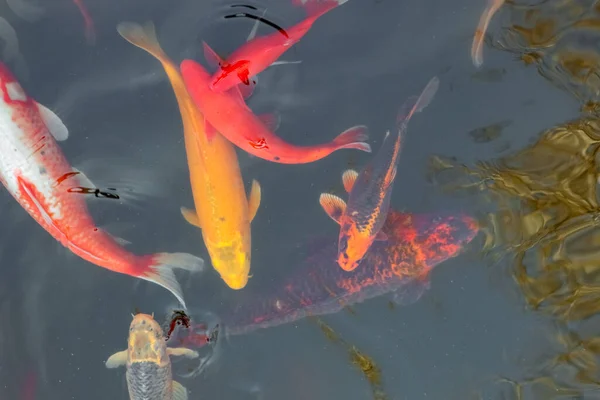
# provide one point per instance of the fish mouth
(235, 282)
(347, 265)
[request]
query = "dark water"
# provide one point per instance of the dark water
(513, 144)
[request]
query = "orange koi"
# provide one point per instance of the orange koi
(228, 114)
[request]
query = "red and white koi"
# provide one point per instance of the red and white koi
(36, 173)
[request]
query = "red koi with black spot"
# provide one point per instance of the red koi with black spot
(228, 114)
(259, 53)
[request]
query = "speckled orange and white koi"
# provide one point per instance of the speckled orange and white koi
(36, 173)
(484, 21)
(149, 375)
(370, 190)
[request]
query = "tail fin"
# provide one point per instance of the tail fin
(417, 104)
(160, 270)
(352, 138)
(143, 37)
(318, 7)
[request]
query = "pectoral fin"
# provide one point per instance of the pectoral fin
(211, 56)
(411, 291)
(281, 62)
(254, 200)
(120, 240)
(179, 391)
(254, 29)
(333, 206)
(190, 216)
(182, 351)
(247, 91)
(348, 179)
(237, 93)
(53, 123)
(117, 360)
(381, 236)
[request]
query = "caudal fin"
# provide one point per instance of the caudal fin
(161, 266)
(353, 138)
(318, 7)
(143, 37)
(417, 104)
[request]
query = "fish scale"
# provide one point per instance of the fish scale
(149, 375)
(149, 381)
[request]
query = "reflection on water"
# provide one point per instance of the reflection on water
(546, 214)
(360, 360)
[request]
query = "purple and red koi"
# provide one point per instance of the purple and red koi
(400, 266)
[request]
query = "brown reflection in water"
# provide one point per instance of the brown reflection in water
(359, 359)
(548, 218)
(545, 212)
(488, 133)
(560, 37)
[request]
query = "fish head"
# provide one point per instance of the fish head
(11, 89)
(437, 236)
(232, 263)
(146, 341)
(352, 247)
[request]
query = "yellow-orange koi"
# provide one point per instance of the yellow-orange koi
(222, 210)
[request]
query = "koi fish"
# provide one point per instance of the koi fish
(230, 116)
(259, 53)
(36, 173)
(370, 192)
(148, 364)
(399, 267)
(484, 21)
(222, 211)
